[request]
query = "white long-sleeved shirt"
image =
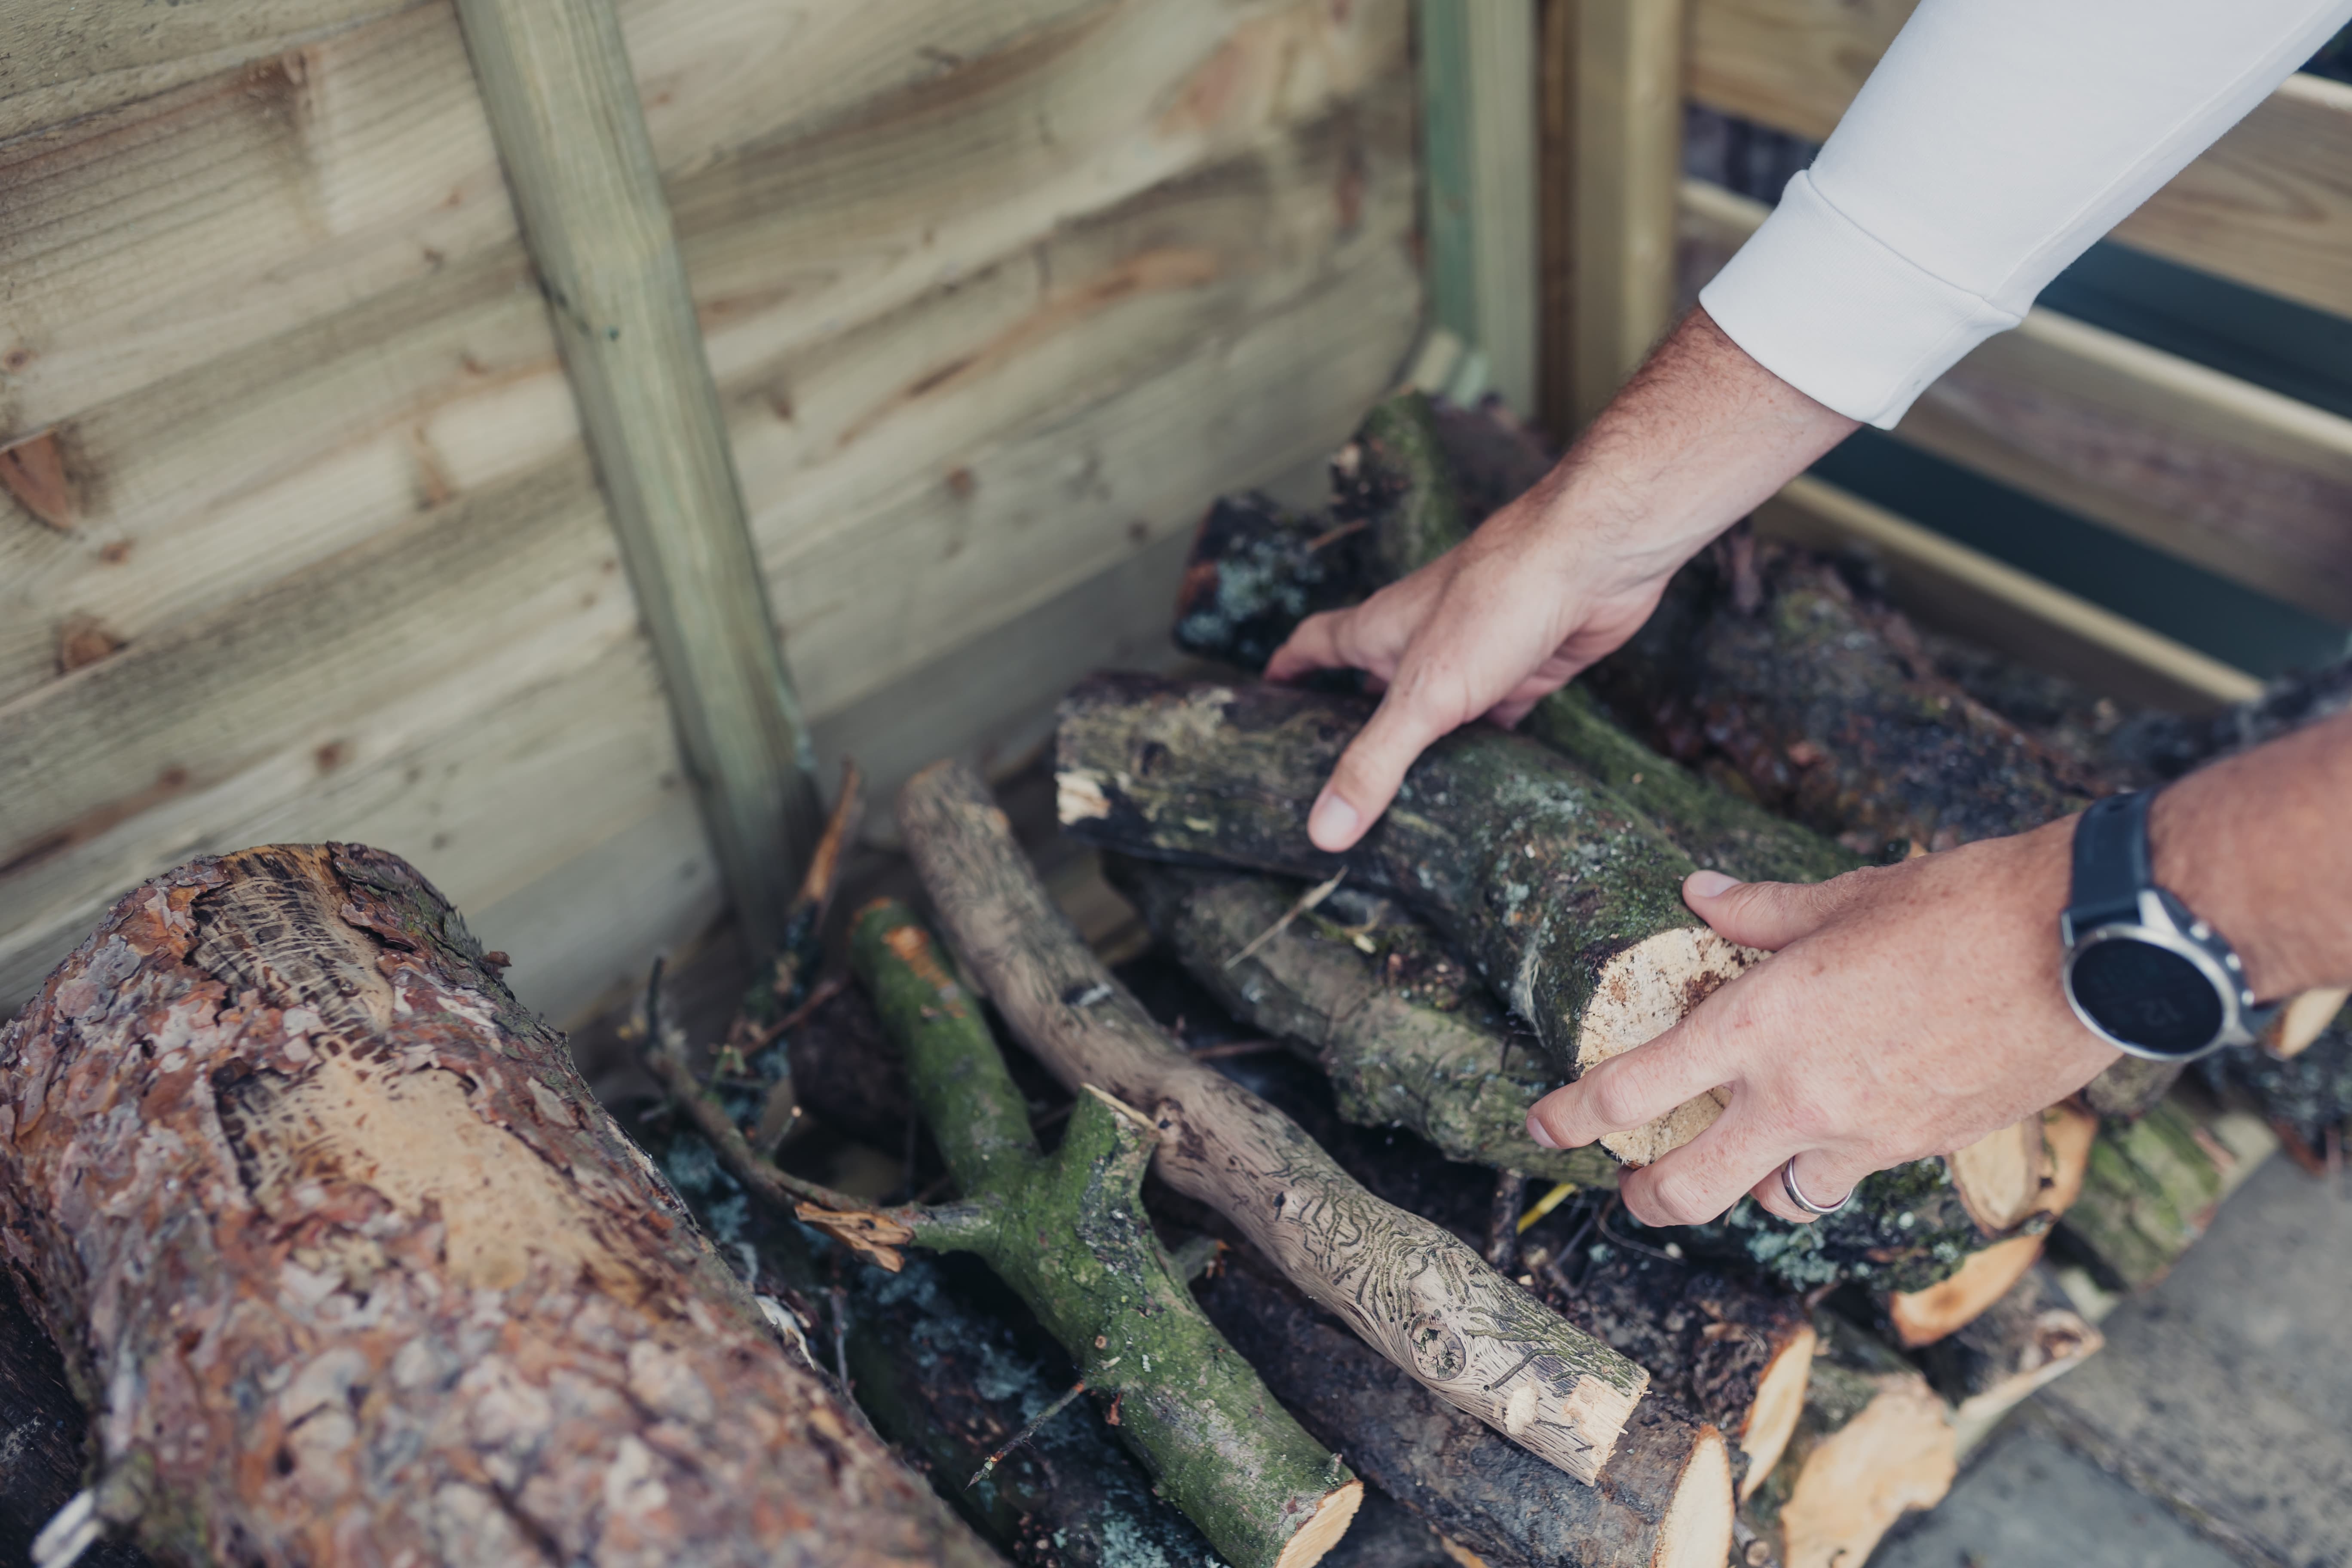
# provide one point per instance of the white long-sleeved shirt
(1994, 142)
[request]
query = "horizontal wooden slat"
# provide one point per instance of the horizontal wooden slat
(2251, 485)
(61, 59)
(1948, 585)
(2269, 205)
(334, 347)
(1093, 402)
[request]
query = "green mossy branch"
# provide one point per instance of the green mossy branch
(1067, 1232)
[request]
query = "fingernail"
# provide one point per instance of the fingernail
(1539, 1133)
(1332, 822)
(1709, 884)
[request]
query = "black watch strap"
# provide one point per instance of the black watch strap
(2111, 861)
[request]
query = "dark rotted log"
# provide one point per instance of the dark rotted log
(1566, 900)
(1406, 1036)
(1664, 1502)
(1763, 663)
(1721, 1345)
(1067, 1232)
(1907, 1230)
(354, 1270)
(2021, 1341)
(1424, 1298)
(1873, 1443)
(43, 1439)
(847, 1074)
(2307, 1098)
(2152, 1187)
(1257, 569)
(2174, 746)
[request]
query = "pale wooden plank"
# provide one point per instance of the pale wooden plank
(61, 59)
(1623, 166)
(562, 104)
(2249, 484)
(420, 633)
(1478, 89)
(1946, 583)
(2269, 205)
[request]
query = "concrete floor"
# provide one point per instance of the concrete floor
(2215, 1428)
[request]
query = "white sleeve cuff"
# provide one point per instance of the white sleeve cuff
(1829, 309)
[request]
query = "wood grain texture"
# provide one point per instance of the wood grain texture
(370, 1277)
(1478, 103)
(2241, 481)
(1626, 149)
(562, 104)
(2269, 205)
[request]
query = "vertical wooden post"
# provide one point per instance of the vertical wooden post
(563, 106)
(1478, 142)
(1612, 171)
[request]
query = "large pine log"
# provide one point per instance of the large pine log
(1567, 900)
(1664, 1502)
(1407, 1037)
(1415, 1292)
(1069, 1233)
(353, 1269)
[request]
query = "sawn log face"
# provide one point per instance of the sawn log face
(355, 1271)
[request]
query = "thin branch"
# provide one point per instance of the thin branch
(1232, 1048)
(1025, 1433)
(1306, 901)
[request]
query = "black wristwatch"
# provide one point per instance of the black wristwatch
(2145, 975)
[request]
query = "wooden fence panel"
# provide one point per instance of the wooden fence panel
(2248, 484)
(2269, 205)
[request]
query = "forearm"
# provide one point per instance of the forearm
(1698, 438)
(2261, 848)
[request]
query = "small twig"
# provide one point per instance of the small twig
(823, 992)
(1603, 1218)
(1502, 1225)
(1560, 1194)
(1306, 901)
(1044, 1118)
(1232, 1048)
(841, 1339)
(1333, 535)
(1025, 1433)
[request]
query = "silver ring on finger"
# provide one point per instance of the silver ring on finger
(1798, 1198)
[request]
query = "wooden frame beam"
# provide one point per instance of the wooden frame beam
(1477, 61)
(563, 106)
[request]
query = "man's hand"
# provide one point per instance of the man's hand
(1908, 1010)
(1566, 573)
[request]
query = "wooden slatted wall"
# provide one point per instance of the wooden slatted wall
(997, 294)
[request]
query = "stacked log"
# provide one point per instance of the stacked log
(350, 1268)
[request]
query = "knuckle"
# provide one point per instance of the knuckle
(1614, 1096)
(1681, 1197)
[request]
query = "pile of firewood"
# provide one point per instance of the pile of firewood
(1239, 1254)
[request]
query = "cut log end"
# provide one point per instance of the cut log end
(1923, 1317)
(2303, 1020)
(1696, 1530)
(1897, 1454)
(1639, 994)
(1779, 1401)
(1322, 1531)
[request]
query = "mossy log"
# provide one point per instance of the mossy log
(1664, 1502)
(1566, 900)
(1873, 1443)
(2030, 1336)
(1067, 1232)
(1414, 1291)
(1406, 1036)
(1257, 569)
(352, 1268)
(1721, 1345)
(2013, 1183)
(2151, 1189)
(1404, 477)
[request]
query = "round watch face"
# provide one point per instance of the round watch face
(2146, 996)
